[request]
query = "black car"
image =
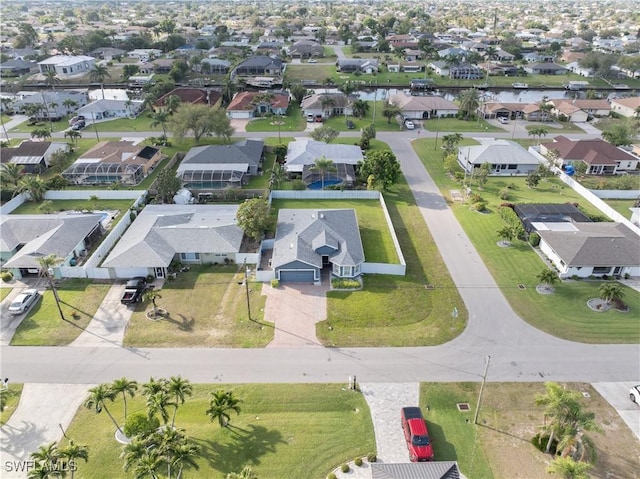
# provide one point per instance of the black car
(133, 291)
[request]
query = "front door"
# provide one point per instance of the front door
(160, 273)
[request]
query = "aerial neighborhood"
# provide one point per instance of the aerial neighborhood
(320, 239)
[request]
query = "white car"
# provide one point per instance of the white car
(409, 125)
(634, 394)
(313, 61)
(503, 120)
(23, 301)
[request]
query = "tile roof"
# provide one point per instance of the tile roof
(422, 103)
(245, 101)
(633, 102)
(594, 151)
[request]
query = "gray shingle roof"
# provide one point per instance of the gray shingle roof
(301, 231)
(243, 152)
(595, 244)
(161, 231)
(417, 470)
(498, 152)
(305, 152)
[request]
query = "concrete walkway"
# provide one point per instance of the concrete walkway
(617, 394)
(42, 410)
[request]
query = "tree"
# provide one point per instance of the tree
(390, 111)
(548, 278)
(325, 133)
(72, 453)
(450, 143)
(179, 388)
(383, 166)
(619, 134)
(539, 132)
(124, 386)
(360, 108)
(158, 403)
(97, 400)
(129, 70)
(167, 185)
(160, 118)
(482, 173)
(73, 135)
(246, 473)
(184, 455)
(152, 295)
(253, 217)
(172, 103)
(51, 78)
(98, 74)
(221, 125)
(196, 119)
(568, 468)
(368, 134)
(222, 403)
(41, 133)
(11, 173)
(469, 101)
(323, 166)
(46, 458)
(610, 292)
(278, 176)
(545, 107)
(70, 105)
(532, 179)
(34, 186)
(298, 91)
(506, 235)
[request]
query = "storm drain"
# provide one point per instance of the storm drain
(429, 287)
(463, 406)
(522, 286)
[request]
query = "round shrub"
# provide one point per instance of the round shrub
(6, 276)
(358, 461)
(275, 283)
(504, 194)
(534, 239)
(139, 424)
(331, 476)
(371, 457)
(345, 468)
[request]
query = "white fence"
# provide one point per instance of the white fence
(101, 194)
(384, 268)
(325, 195)
(11, 205)
(617, 194)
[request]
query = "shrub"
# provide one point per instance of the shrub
(504, 194)
(340, 283)
(479, 206)
(575, 277)
(275, 283)
(139, 424)
(511, 218)
(331, 476)
(358, 461)
(6, 276)
(345, 468)
(512, 186)
(475, 198)
(371, 457)
(534, 239)
(298, 185)
(627, 276)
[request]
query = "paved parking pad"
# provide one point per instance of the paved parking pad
(617, 394)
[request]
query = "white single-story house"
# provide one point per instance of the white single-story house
(326, 105)
(67, 65)
(590, 249)
(507, 158)
(627, 107)
(309, 241)
(303, 152)
(195, 234)
(423, 107)
(110, 109)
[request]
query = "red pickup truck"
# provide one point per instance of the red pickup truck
(416, 434)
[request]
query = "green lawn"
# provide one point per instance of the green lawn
(317, 427)
(4, 291)
(12, 401)
(141, 123)
(598, 182)
(31, 208)
(282, 125)
(207, 308)
(557, 127)
(454, 436)
(55, 126)
(43, 325)
(621, 206)
(563, 314)
(455, 125)
(376, 238)
(4, 118)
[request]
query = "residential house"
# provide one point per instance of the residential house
(533, 214)
(24, 239)
(423, 107)
(579, 111)
(17, 67)
(250, 104)
(580, 70)
(405, 67)
(411, 55)
(145, 54)
(601, 158)
(216, 66)
(326, 105)
(161, 234)
(190, 96)
(440, 68)
(465, 72)
(110, 162)
(361, 65)
(545, 68)
(627, 107)
(506, 158)
(259, 66)
(162, 65)
(107, 53)
(310, 241)
(590, 249)
(569, 56)
(304, 152)
(67, 65)
(415, 470)
(492, 109)
(453, 52)
(53, 104)
(220, 166)
(306, 49)
(33, 156)
(538, 57)
(500, 69)
(102, 110)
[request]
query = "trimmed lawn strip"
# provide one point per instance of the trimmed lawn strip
(43, 325)
(454, 125)
(4, 291)
(621, 206)
(556, 127)
(397, 310)
(293, 121)
(13, 399)
(376, 238)
(207, 308)
(58, 206)
(317, 427)
(563, 314)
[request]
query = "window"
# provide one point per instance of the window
(602, 270)
(190, 256)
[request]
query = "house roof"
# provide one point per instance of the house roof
(118, 152)
(244, 100)
(300, 232)
(314, 102)
(191, 95)
(498, 152)
(416, 470)
(66, 60)
(262, 61)
(244, 152)
(592, 244)
(633, 102)
(100, 106)
(29, 152)
(305, 152)
(595, 151)
(15, 64)
(161, 231)
(422, 103)
(43, 235)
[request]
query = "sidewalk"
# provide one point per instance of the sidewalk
(8, 126)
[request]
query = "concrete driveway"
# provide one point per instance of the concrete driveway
(617, 394)
(9, 322)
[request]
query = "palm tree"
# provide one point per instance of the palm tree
(278, 175)
(491, 53)
(34, 186)
(220, 406)
(610, 292)
(246, 473)
(179, 388)
(152, 295)
(158, 403)
(51, 78)
(545, 108)
(228, 90)
(636, 113)
(360, 108)
(184, 456)
(46, 455)
(73, 452)
(539, 132)
(506, 234)
(133, 452)
(327, 103)
(73, 135)
(172, 103)
(11, 173)
(569, 469)
(160, 118)
(69, 104)
(148, 466)
(548, 278)
(46, 264)
(469, 101)
(98, 74)
(97, 400)
(153, 386)
(125, 386)
(323, 166)
(41, 133)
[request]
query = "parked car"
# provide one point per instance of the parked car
(409, 125)
(416, 434)
(313, 61)
(350, 124)
(133, 291)
(23, 301)
(503, 120)
(76, 119)
(634, 394)
(318, 119)
(78, 125)
(309, 118)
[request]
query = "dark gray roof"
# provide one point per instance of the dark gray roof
(260, 61)
(245, 152)
(17, 64)
(416, 470)
(594, 244)
(300, 232)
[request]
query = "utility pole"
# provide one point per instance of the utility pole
(487, 359)
(246, 287)
(95, 127)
